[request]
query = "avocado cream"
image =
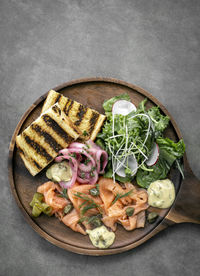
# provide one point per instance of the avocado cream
(161, 193)
(101, 237)
(59, 172)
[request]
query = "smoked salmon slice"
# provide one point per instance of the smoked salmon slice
(51, 198)
(71, 220)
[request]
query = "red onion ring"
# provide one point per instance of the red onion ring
(91, 144)
(87, 174)
(65, 185)
(59, 159)
(77, 145)
(88, 179)
(82, 166)
(64, 151)
(99, 154)
(81, 180)
(82, 151)
(78, 157)
(92, 152)
(85, 168)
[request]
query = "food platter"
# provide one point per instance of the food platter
(92, 92)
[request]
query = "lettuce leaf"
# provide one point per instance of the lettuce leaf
(123, 179)
(175, 149)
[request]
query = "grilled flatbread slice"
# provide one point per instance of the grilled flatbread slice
(88, 120)
(40, 142)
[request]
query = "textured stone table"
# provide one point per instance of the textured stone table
(153, 44)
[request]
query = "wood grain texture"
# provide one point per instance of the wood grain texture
(92, 92)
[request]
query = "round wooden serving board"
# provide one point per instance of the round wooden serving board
(92, 92)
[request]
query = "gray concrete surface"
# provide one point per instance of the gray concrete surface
(153, 44)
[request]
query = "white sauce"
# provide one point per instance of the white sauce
(101, 237)
(161, 193)
(59, 172)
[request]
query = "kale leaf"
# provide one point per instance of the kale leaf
(160, 171)
(169, 151)
(160, 121)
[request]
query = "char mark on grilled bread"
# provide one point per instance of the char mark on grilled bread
(87, 120)
(40, 142)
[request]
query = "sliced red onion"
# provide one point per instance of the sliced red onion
(78, 157)
(64, 151)
(82, 151)
(81, 180)
(77, 145)
(59, 158)
(90, 180)
(65, 185)
(85, 168)
(86, 174)
(91, 144)
(99, 154)
(87, 177)
(93, 153)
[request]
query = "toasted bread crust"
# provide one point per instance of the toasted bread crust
(87, 120)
